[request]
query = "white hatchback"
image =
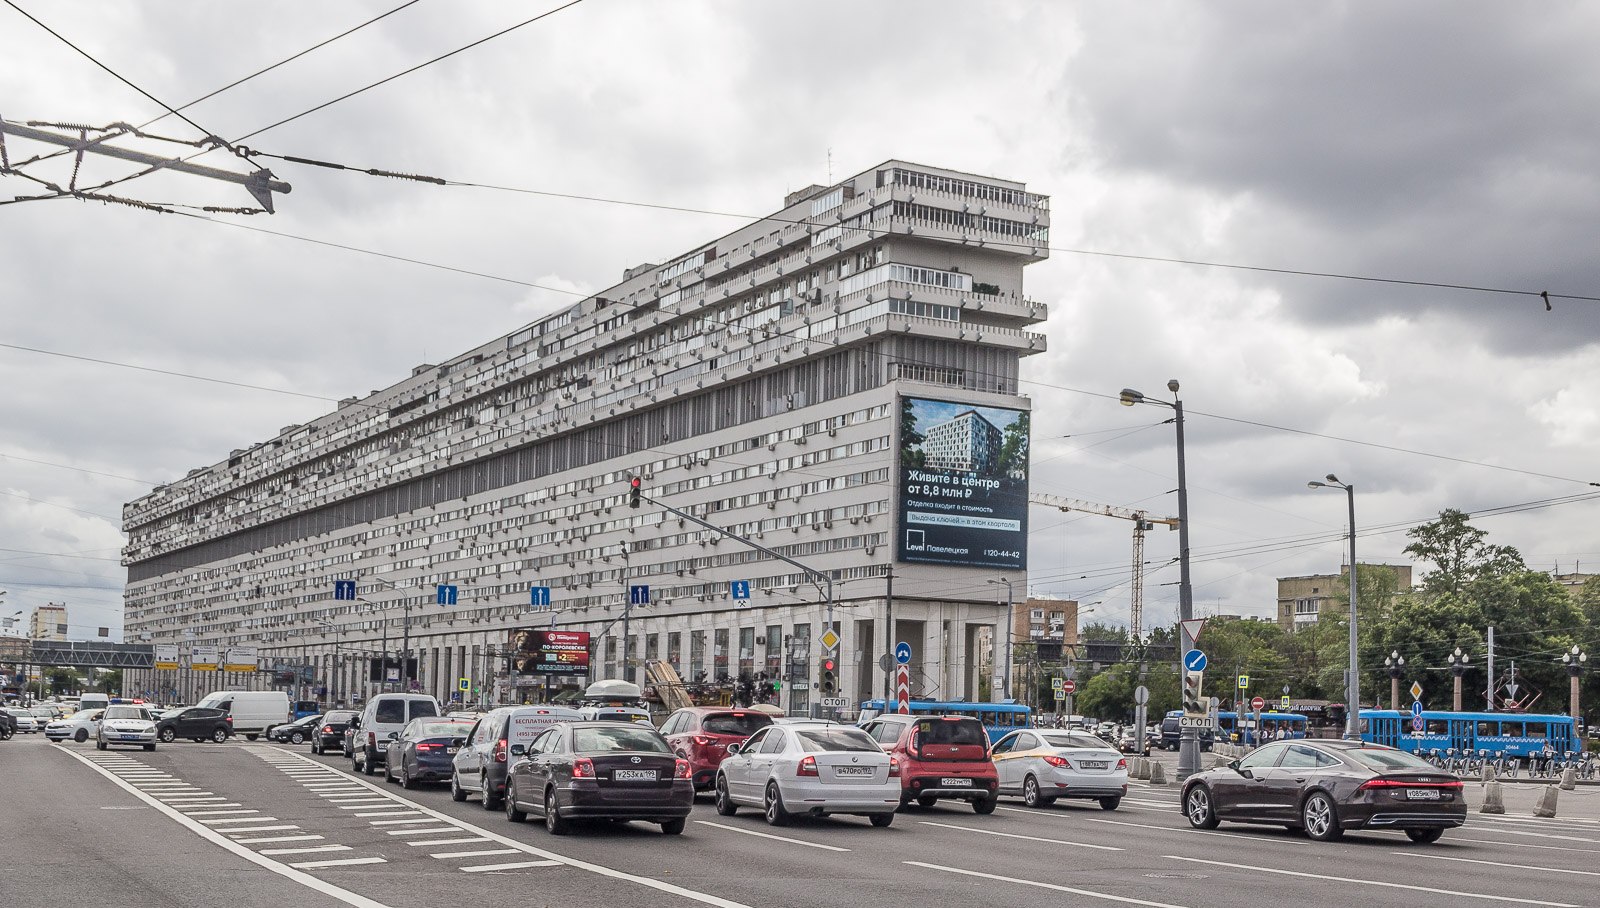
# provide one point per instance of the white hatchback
(809, 768)
(128, 726)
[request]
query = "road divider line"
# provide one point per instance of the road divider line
(240, 832)
(279, 838)
(472, 854)
(519, 865)
(420, 831)
(1251, 868)
(342, 862)
(1056, 887)
(216, 838)
(1013, 835)
(1440, 857)
(399, 822)
(384, 813)
(768, 835)
(551, 857)
(218, 813)
(472, 841)
(310, 849)
(220, 820)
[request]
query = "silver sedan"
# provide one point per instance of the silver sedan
(816, 769)
(1042, 765)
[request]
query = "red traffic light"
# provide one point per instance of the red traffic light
(827, 665)
(633, 491)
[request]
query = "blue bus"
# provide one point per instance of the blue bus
(998, 719)
(1275, 726)
(1510, 734)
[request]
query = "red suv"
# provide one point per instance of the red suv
(940, 757)
(701, 735)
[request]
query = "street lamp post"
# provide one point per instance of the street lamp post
(1396, 664)
(1458, 667)
(1352, 684)
(1574, 661)
(1188, 738)
(1010, 632)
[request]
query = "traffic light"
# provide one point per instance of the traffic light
(829, 676)
(1193, 703)
(633, 492)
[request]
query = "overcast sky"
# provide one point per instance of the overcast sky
(1447, 143)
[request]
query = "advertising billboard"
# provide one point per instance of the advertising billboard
(963, 484)
(551, 652)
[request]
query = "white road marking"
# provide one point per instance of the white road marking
(473, 854)
(1041, 885)
(420, 831)
(307, 850)
(1440, 857)
(220, 820)
(399, 822)
(345, 862)
(217, 813)
(472, 841)
(768, 835)
(485, 868)
(360, 805)
(1249, 868)
(1013, 835)
(254, 829)
(385, 813)
(279, 838)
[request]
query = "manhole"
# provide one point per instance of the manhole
(1178, 876)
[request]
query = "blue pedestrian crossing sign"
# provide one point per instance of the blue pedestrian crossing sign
(1194, 661)
(638, 595)
(539, 595)
(740, 589)
(902, 652)
(344, 589)
(445, 594)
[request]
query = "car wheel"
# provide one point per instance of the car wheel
(168, 735)
(553, 823)
(490, 802)
(219, 735)
(1198, 808)
(297, 738)
(99, 744)
(725, 805)
(512, 813)
(673, 827)
(1031, 795)
(369, 764)
(984, 805)
(81, 736)
(927, 802)
(1110, 803)
(1320, 818)
(457, 793)
(1424, 836)
(776, 814)
(251, 737)
(881, 820)
(314, 748)
(388, 771)
(406, 781)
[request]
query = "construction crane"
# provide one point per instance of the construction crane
(1142, 521)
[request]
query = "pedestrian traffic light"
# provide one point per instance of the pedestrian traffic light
(1193, 703)
(829, 676)
(633, 492)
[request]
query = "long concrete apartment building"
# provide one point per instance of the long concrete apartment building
(778, 382)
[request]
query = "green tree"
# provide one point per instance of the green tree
(1459, 553)
(110, 682)
(62, 681)
(1100, 632)
(1108, 695)
(1254, 648)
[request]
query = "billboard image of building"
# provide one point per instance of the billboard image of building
(963, 484)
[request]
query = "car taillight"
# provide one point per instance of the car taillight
(327, 729)
(372, 739)
(1054, 760)
(703, 740)
(807, 767)
(582, 768)
(680, 769)
(894, 767)
(500, 751)
(1122, 763)
(228, 719)
(427, 747)
(1370, 784)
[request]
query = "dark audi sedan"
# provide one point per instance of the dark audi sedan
(330, 731)
(1326, 787)
(424, 751)
(600, 770)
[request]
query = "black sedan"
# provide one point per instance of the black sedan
(599, 770)
(1326, 787)
(329, 733)
(197, 723)
(299, 731)
(424, 751)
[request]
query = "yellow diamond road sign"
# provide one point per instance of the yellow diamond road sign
(830, 640)
(1416, 691)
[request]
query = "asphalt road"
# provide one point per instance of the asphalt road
(252, 824)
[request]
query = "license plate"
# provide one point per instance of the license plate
(1093, 764)
(130, 737)
(1422, 794)
(450, 750)
(955, 783)
(852, 770)
(634, 775)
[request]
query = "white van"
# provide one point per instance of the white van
(253, 711)
(93, 701)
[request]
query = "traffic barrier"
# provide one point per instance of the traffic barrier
(1569, 779)
(1494, 800)
(1143, 770)
(1546, 805)
(1158, 774)
(1488, 772)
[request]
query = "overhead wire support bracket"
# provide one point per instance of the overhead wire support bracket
(260, 183)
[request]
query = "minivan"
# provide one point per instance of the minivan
(502, 734)
(253, 711)
(381, 721)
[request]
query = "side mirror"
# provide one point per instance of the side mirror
(733, 749)
(457, 742)
(518, 750)
(1235, 767)
(394, 736)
